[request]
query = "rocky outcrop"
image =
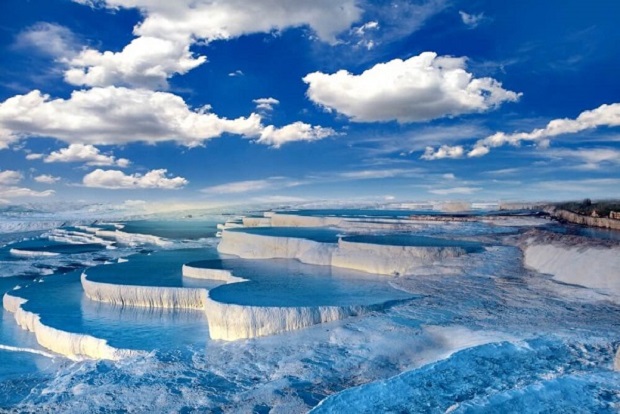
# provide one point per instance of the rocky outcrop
(575, 218)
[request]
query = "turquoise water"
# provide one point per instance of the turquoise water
(361, 213)
(318, 234)
(395, 213)
(158, 268)
(548, 348)
(191, 229)
(61, 303)
(42, 245)
(283, 282)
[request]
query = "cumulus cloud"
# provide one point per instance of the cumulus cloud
(49, 39)
(265, 104)
(145, 62)
(421, 88)
(445, 151)
(604, 115)
(114, 179)
(115, 116)
(118, 115)
(46, 179)
(87, 154)
(209, 20)
(9, 189)
(297, 131)
(22, 192)
(471, 20)
(10, 177)
(162, 46)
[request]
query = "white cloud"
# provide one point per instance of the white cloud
(297, 131)
(378, 174)
(592, 158)
(7, 137)
(361, 33)
(87, 154)
(9, 189)
(445, 151)
(49, 39)
(604, 115)
(399, 18)
(455, 190)
(361, 30)
(46, 179)
(114, 179)
(237, 187)
(118, 115)
(236, 73)
(10, 177)
(34, 156)
(162, 46)
(471, 20)
(21, 192)
(265, 104)
(421, 88)
(210, 20)
(145, 62)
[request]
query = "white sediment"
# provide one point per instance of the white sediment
(231, 322)
(256, 222)
(389, 260)
(254, 246)
(579, 262)
(348, 223)
(227, 322)
(211, 274)
(75, 237)
(371, 258)
(133, 238)
(72, 345)
(31, 253)
(144, 296)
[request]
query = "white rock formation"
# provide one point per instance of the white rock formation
(144, 296)
(72, 345)
(133, 239)
(255, 246)
(371, 258)
(31, 253)
(389, 260)
(210, 274)
(256, 222)
(231, 322)
(575, 260)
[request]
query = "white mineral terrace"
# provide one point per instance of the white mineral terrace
(370, 258)
(72, 345)
(575, 260)
(227, 322)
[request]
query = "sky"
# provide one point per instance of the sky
(209, 102)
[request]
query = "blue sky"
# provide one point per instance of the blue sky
(201, 102)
